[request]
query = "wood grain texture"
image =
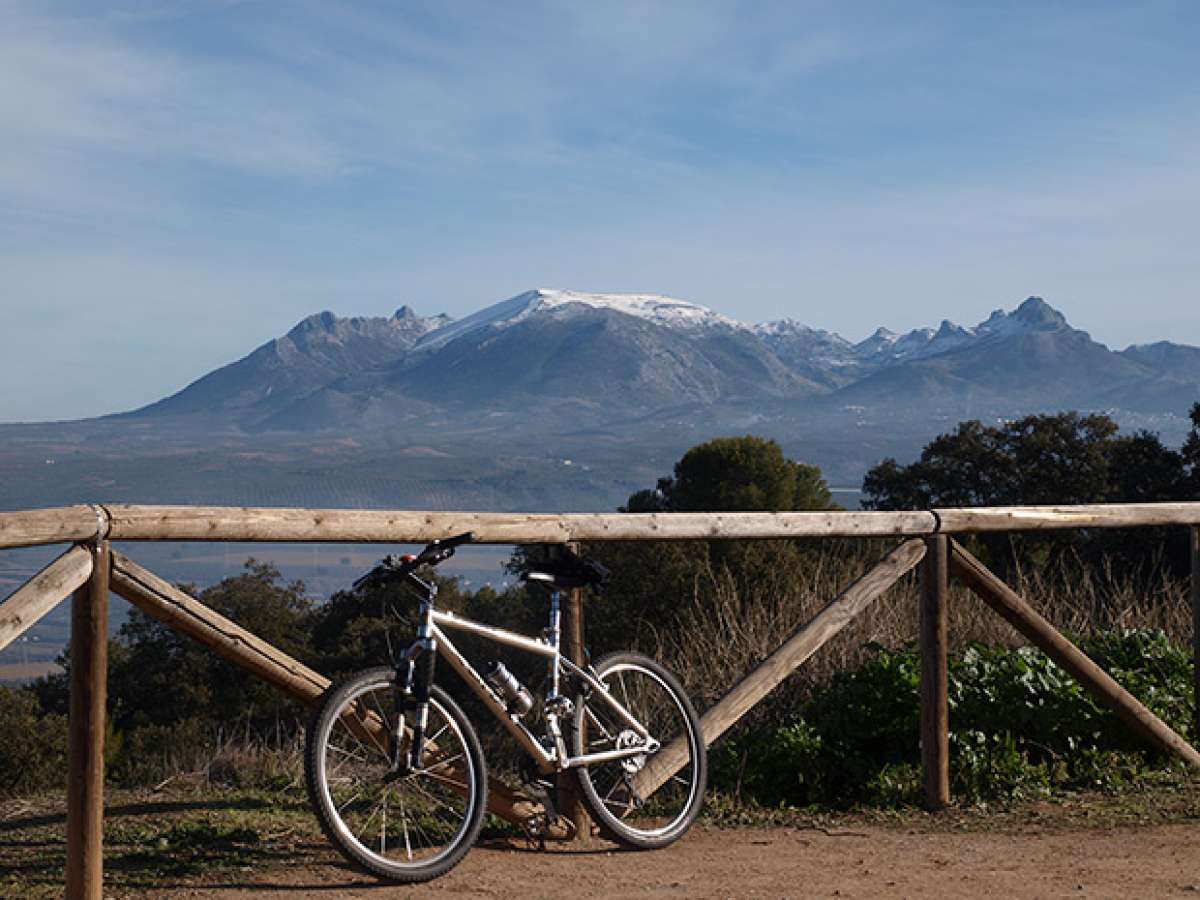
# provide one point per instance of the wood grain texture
(194, 523)
(935, 707)
(1196, 622)
(1035, 518)
(85, 732)
(569, 802)
(231, 523)
(31, 527)
(1018, 613)
(44, 591)
(802, 643)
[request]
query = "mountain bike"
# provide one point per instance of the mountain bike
(395, 770)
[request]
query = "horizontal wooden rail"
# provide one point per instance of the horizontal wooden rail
(44, 591)
(186, 523)
(233, 523)
(30, 527)
(1038, 518)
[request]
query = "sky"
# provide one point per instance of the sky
(180, 182)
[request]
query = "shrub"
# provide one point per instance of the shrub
(1020, 727)
(33, 747)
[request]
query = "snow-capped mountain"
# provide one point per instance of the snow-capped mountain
(652, 308)
(566, 400)
(600, 357)
(885, 347)
(317, 351)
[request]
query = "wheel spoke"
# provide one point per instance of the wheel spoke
(411, 828)
(649, 698)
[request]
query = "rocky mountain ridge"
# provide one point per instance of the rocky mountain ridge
(557, 400)
(595, 359)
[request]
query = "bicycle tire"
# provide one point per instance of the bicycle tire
(655, 698)
(440, 808)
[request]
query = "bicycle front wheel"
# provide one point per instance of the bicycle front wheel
(410, 828)
(645, 800)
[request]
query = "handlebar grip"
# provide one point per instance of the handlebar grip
(434, 553)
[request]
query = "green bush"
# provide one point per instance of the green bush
(776, 765)
(1020, 727)
(33, 746)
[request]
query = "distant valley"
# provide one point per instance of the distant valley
(565, 400)
(551, 400)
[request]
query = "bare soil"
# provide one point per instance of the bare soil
(874, 861)
(207, 843)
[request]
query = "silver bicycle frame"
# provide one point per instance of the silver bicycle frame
(433, 623)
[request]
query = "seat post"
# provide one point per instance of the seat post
(553, 636)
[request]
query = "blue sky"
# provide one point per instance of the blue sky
(180, 182)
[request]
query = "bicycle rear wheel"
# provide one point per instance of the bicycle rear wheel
(407, 829)
(622, 795)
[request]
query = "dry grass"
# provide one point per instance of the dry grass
(724, 632)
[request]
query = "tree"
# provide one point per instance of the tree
(736, 474)
(159, 677)
(1191, 453)
(1047, 459)
(368, 624)
(654, 582)
(1060, 459)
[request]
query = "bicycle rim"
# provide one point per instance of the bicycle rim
(411, 828)
(611, 788)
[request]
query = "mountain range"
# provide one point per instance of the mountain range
(557, 399)
(604, 359)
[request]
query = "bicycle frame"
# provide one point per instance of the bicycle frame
(432, 637)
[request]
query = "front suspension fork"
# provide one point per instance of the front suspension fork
(414, 678)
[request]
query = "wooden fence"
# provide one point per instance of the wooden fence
(90, 569)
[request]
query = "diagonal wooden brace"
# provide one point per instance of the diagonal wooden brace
(44, 591)
(1023, 617)
(800, 645)
(166, 603)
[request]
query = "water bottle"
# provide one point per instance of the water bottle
(511, 691)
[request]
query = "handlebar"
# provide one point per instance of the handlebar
(435, 553)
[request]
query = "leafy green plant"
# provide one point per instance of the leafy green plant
(1021, 727)
(33, 746)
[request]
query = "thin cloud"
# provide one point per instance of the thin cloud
(228, 168)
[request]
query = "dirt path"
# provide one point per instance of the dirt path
(1154, 861)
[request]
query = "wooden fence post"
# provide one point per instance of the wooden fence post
(89, 689)
(1196, 627)
(572, 647)
(935, 713)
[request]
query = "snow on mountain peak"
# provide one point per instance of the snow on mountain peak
(1035, 314)
(881, 348)
(653, 307)
(783, 327)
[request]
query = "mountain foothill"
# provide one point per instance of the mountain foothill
(558, 399)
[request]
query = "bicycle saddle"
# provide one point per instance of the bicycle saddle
(568, 571)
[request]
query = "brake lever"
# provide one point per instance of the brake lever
(390, 565)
